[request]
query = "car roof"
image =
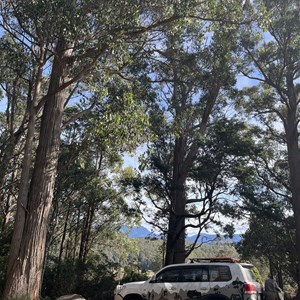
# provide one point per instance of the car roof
(248, 266)
(210, 261)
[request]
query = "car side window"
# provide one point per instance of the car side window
(219, 273)
(199, 274)
(171, 275)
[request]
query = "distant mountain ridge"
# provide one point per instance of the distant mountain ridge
(209, 238)
(139, 232)
(143, 232)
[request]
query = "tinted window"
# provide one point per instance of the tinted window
(198, 274)
(195, 274)
(171, 275)
(219, 273)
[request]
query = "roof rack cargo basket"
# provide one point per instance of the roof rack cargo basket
(214, 259)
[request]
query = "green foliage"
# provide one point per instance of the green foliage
(97, 281)
(256, 273)
(150, 252)
(3, 266)
(124, 124)
(217, 248)
(193, 73)
(59, 279)
(14, 58)
(271, 58)
(135, 80)
(264, 237)
(98, 275)
(5, 239)
(122, 255)
(132, 274)
(258, 276)
(224, 154)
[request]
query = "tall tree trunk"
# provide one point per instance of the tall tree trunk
(24, 276)
(183, 161)
(88, 231)
(294, 168)
(24, 181)
(83, 239)
(175, 248)
(72, 246)
(62, 242)
(294, 163)
(280, 277)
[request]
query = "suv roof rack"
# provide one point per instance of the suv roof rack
(214, 259)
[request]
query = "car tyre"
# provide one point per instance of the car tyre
(133, 298)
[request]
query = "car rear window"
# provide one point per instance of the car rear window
(249, 274)
(219, 273)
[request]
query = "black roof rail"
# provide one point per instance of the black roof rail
(214, 259)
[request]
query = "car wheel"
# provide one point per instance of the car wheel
(133, 298)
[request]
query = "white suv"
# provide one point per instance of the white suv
(206, 279)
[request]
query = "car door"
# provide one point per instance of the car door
(163, 286)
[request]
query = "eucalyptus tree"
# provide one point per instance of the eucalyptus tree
(193, 73)
(227, 149)
(70, 42)
(271, 57)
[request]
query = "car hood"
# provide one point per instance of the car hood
(130, 287)
(133, 284)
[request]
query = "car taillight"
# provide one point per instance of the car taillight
(249, 288)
